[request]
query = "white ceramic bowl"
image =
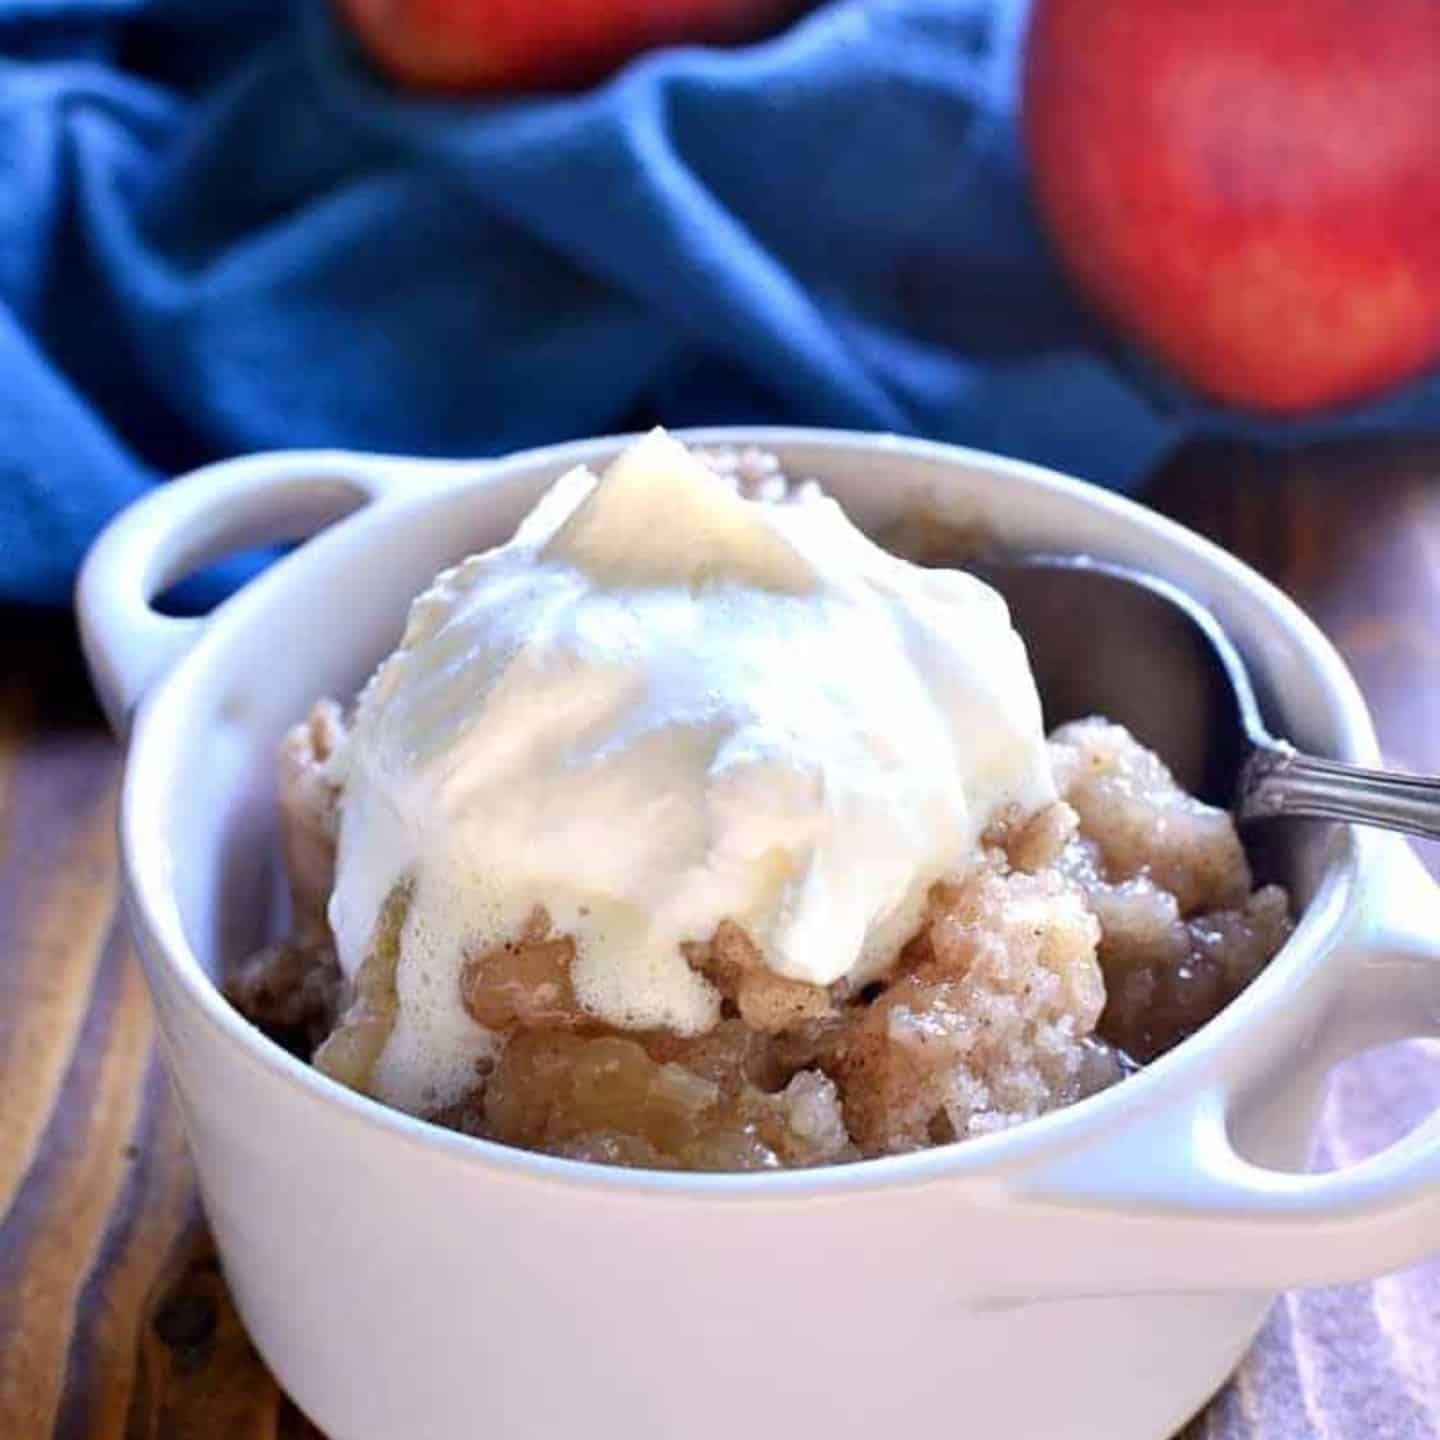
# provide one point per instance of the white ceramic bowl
(1096, 1273)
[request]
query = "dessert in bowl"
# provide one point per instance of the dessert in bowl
(692, 829)
(404, 1278)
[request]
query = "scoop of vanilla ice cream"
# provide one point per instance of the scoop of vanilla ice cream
(658, 707)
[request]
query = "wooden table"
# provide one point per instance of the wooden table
(114, 1320)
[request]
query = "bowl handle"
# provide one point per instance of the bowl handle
(1221, 1222)
(180, 526)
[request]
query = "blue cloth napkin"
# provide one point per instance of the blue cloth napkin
(220, 231)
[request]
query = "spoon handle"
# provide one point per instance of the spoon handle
(1279, 780)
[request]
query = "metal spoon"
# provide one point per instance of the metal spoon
(1168, 672)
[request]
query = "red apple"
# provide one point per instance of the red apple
(540, 44)
(1252, 187)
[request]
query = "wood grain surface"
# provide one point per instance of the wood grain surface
(114, 1319)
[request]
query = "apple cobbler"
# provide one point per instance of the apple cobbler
(1086, 940)
(1084, 932)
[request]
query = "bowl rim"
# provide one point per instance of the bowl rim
(156, 920)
